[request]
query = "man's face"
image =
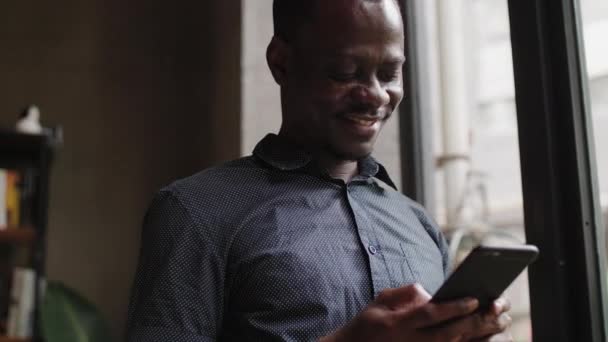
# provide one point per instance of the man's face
(344, 76)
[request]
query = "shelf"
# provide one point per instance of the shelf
(21, 235)
(25, 143)
(23, 244)
(25, 150)
(13, 339)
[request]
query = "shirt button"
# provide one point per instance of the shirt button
(372, 250)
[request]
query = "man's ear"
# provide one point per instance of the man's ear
(277, 56)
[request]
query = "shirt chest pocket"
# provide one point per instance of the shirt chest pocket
(414, 263)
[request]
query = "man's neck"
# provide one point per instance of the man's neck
(338, 169)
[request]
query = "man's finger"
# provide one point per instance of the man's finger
(478, 326)
(433, 314)
(500, 305)
(404, 298)
(504, 337)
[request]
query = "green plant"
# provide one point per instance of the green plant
(67, 316)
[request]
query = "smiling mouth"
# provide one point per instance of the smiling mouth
(366, 121)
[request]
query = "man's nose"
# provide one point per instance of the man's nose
(372, 94)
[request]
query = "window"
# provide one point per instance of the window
(595, 31)
(492, 119)
(478, 196)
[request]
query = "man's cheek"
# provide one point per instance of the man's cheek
(396, 95)
(329, 104)
(332, 89)
(334, 102)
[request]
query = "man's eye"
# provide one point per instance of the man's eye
(389, 75)
(342, 76)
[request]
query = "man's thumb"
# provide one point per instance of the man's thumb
(413, 295)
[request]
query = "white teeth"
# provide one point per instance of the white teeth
(362, 122)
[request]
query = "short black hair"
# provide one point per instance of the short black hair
(290, 15)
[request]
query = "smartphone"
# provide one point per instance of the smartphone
(486, 273)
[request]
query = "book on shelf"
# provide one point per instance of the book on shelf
(22, 302)
(16, 192)
(3, 191)
(13, 198)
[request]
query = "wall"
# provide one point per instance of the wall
(147, 91)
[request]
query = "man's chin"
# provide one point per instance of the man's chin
(352, 153)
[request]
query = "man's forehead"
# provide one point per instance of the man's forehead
(347, 13)
(344, 22)
(347, 7)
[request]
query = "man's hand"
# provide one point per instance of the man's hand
(405, 314)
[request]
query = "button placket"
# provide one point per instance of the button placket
(380, 276)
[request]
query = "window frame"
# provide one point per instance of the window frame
(415, 123)
(560, 188)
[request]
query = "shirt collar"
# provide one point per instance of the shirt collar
(285, 156)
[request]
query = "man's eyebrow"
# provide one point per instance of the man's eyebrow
(400, 59)
(389, 59)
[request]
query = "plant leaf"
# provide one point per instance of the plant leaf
(66, 316)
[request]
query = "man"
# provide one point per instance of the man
(306, 239)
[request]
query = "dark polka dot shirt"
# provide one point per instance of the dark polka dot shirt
(268, 248)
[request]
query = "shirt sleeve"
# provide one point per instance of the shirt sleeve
(178, 289)
(434, 231)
